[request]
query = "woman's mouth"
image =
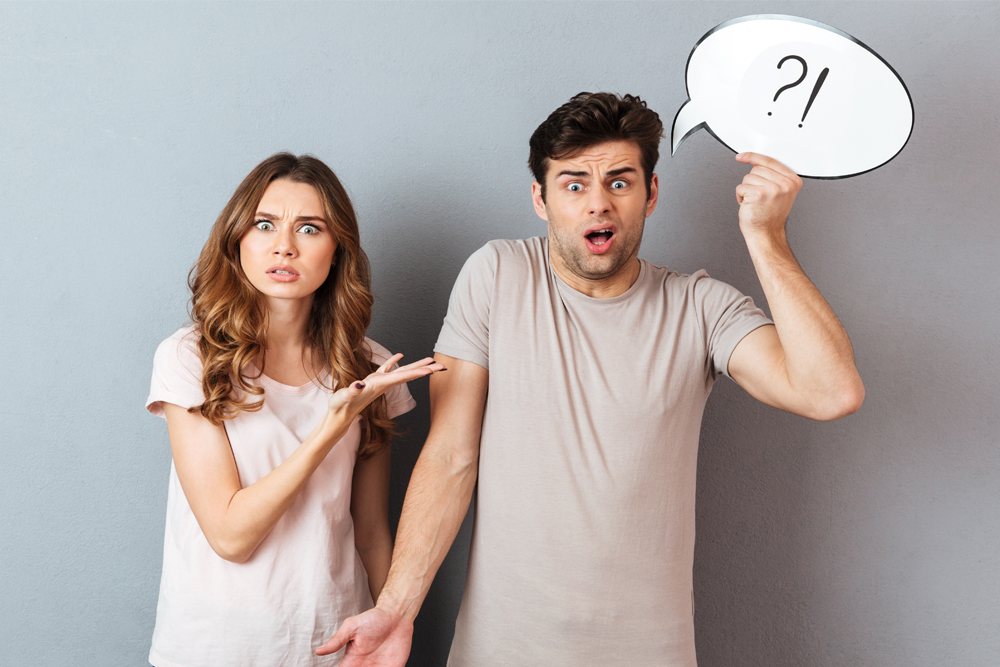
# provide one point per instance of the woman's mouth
(282, 274)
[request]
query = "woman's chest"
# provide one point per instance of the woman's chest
(263, 440)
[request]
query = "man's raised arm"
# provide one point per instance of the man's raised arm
(437, 501)
(804, 364)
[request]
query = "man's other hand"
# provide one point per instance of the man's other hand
(376, 638)
(766, 195)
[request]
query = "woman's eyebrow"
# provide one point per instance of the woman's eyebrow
(301, 218)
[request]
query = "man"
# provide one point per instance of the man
(577, 379)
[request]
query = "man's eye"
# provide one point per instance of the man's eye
(619, 185)
(309, 229)
(263, 225)
(575, 187)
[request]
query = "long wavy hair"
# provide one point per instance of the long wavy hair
(230, 316)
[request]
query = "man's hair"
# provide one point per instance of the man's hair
(589, 119)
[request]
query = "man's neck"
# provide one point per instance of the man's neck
(601, 288)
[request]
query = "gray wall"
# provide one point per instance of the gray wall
(124, 129)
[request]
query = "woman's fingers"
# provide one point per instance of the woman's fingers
(383, 381)
(360, 393)
(390, 362)
(365, 391)
(425, 362)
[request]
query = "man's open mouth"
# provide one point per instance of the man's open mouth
(600, 237)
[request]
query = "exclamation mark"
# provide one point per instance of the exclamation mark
(819, 84)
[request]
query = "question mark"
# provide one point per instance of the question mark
(805, 68)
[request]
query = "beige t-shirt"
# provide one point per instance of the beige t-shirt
(583, 543)
(304, 578)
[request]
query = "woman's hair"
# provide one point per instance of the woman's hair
(229, 312)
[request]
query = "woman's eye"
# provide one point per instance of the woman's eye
(309, 229)
(619, 185)
(575, 187)
(264, 225)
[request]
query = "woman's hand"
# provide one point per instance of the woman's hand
(353, 398)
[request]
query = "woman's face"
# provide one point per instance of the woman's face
(289, 251)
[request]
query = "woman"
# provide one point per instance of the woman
(279, 412)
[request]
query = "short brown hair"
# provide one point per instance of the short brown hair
(589, 119)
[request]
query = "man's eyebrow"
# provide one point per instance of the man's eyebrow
(610, 174)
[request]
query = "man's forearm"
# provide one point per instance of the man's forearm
(437, 500)
(818, 357)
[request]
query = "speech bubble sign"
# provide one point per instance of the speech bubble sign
(814, 98)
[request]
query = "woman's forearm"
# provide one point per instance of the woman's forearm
(253, 511)
(370, 511)
(236, 520)
(376, 559)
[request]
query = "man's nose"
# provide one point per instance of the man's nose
(599, 202)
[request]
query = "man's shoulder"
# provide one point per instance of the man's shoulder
(661, 276)
(533, 249)
(699, 284)
(509, 255)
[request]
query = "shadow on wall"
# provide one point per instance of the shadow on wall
(412, 299)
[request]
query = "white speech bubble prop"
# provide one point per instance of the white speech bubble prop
(808, 95)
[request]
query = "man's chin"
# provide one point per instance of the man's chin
(599, 268)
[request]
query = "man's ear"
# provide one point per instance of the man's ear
(537, 201)
(654, 193)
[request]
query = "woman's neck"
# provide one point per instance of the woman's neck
(289, 359)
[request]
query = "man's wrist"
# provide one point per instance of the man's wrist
(766, 235)
(394, 607)
(769, 244)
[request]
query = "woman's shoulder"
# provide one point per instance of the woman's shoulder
(180, 349)
(177, 372)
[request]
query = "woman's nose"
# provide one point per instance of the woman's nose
(284, 245)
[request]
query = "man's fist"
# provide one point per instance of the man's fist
(766, 194)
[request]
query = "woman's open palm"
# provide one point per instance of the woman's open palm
(355, 396)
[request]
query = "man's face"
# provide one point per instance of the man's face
(596, 205)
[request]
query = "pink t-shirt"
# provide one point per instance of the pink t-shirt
(305, 577)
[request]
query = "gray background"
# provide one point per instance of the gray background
(125, 128)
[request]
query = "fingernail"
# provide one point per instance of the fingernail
(359, 385)
(444, 369)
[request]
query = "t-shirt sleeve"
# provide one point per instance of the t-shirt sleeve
(465, 333)
(726, 315)
(177, 373)
(398, 400)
